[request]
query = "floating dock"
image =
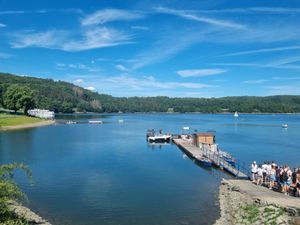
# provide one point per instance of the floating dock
(193, 151)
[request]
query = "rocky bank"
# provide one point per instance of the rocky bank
(242, 202)
(31, 217)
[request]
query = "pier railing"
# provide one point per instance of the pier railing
(238, 168)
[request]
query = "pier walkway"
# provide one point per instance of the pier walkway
(188, 146)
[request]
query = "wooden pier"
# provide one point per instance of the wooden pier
(193, 151)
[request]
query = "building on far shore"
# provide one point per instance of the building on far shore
(41, 113)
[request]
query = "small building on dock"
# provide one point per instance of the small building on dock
(204, 138)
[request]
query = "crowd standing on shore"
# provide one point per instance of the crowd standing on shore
(278, 178)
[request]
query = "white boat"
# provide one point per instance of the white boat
(160, 138)
(284, 126)
(71, 122)
(120, 121)
(236, 114)
(95, 121)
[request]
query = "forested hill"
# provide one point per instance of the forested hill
(62, 96)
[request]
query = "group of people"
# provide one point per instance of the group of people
(278, 178)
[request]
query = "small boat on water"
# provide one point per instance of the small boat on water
(236, 114)
(158, 138)
(284, 126)
(95, 121)
(120, 121)
(71, 122)
(203, 161)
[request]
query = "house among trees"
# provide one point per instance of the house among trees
(41, 113)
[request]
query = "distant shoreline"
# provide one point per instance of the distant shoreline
(28, 125)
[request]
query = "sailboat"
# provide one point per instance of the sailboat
(236, 114)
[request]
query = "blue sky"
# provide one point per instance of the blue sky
(208, 48)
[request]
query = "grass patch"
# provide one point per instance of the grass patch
(14, 120)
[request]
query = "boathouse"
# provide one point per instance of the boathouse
(204, 138)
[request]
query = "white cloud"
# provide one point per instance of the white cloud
(79, 66)
(167, 46)
(91, 88)
(110, 15)
(271, 10)
(41, 11)
(60, 39)
(190, 16)
(2, 25)
(264, 50)
(122, 68)
(254, 81)
(49, 39)
(127, 82)
(78, 81)
(139, 28)
(200, 72)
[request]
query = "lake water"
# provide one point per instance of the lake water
(107, 174)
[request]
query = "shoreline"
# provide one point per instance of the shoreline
(242, 202)
(31, 217)
(28, 125)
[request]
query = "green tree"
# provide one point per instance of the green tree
(18, 97)
(9, 191)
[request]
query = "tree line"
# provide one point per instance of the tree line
(27, 92)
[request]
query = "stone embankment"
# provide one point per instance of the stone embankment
(242, 202)
(31, 217)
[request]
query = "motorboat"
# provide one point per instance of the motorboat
(95, 121)
(120, 121)
(71, 122)
(159, 138)
(284, 125)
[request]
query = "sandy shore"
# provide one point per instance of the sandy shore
(29, 125)
(242, 202)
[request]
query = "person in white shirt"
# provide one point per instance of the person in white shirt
(254, 172)
(259, 175)
(264, 167)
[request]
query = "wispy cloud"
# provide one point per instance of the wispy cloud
(98, 38)
(200, 72)
(287, 89)
(264, 50)
(42, 11)
(249, 10)
(79, 66)
(5, 55)
(126, 85)
(2, 25)
(283, 63)
(110, 15)
(121, 68)
(64, 40)
(78, 81)
(286, 78)
(190, 16)
(169, 45)
(139, 28)
(254, 81)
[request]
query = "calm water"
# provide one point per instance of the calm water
(107, 174)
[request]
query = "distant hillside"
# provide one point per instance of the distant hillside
(62, 96)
